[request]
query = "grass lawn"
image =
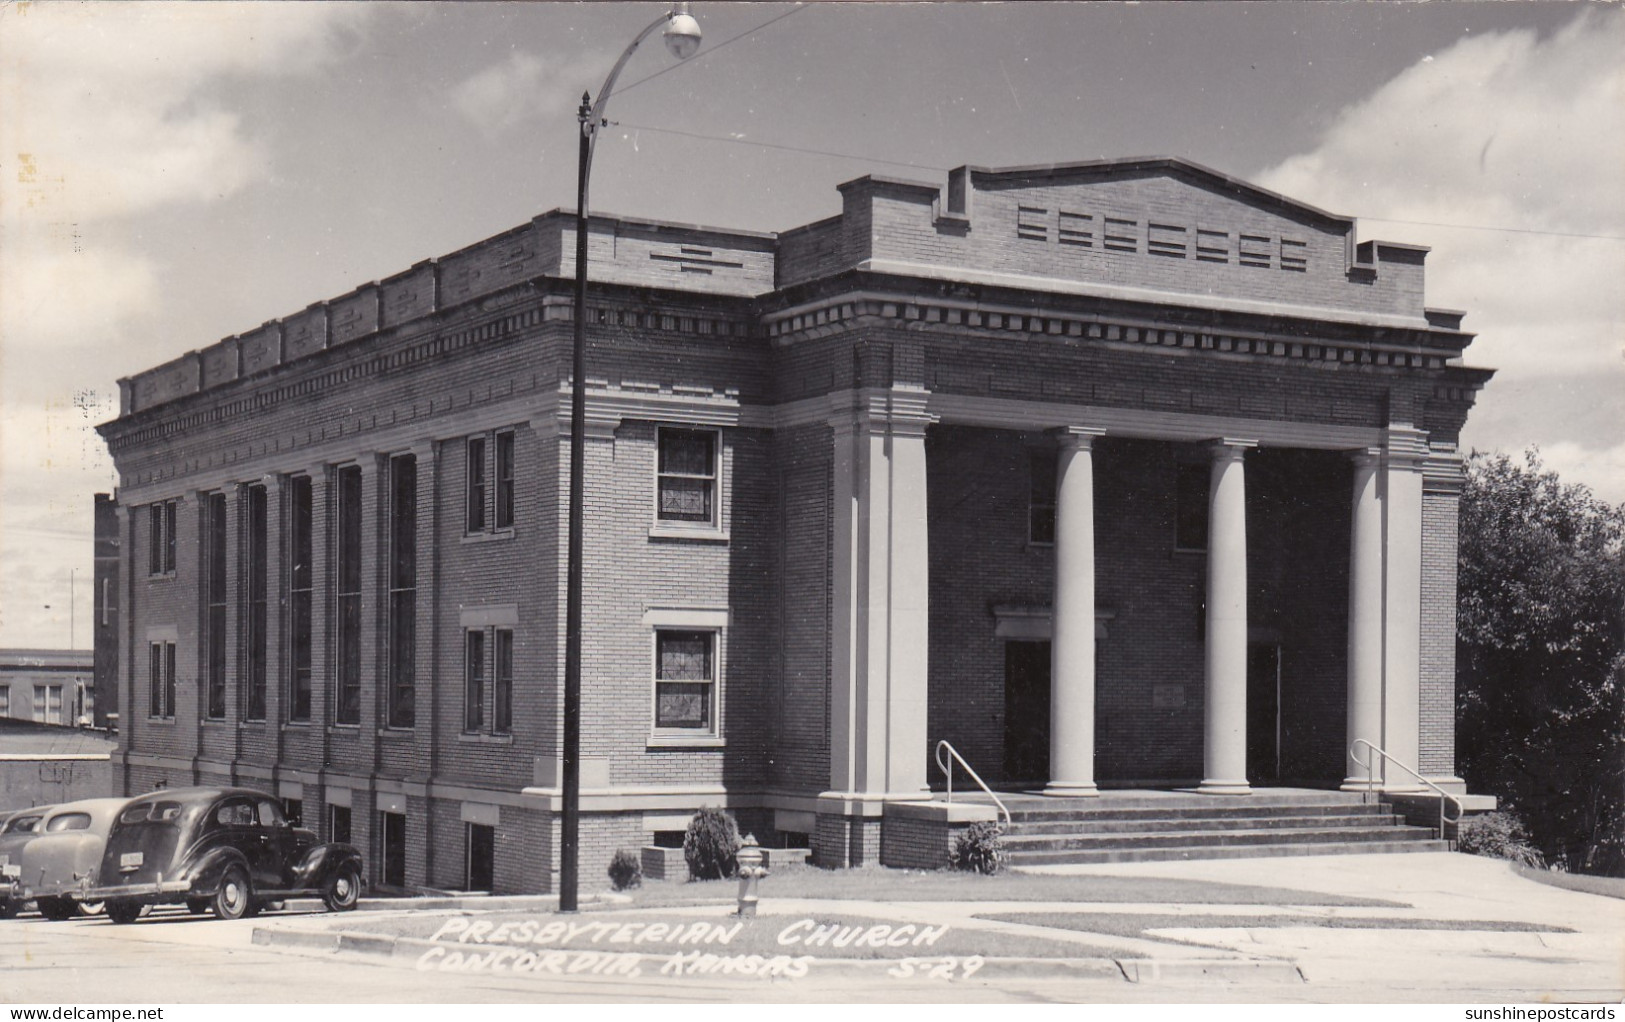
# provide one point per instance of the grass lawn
(1134, 924)
(878, 883)
(758, 936)
(1608, 887)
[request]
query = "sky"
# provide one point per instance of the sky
(176, 173)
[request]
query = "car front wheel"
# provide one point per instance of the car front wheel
(56, 909)
(341, 893)
(123, 911)
(234, 897)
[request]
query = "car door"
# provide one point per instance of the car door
(279, 843)
(238, 827)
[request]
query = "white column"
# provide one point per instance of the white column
(1365, 622)
(1403, 456)
(1072, 645)
(880, 634)
(1225, 707)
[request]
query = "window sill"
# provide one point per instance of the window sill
(695, 533)
(488, 537)
(163, 576)
(395, 733)
(485, 739)
(685, 742)
(166, 721)
(213, 722)
(251, 725)
(296, 725)
(352, 730)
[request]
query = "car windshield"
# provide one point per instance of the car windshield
(151, 812)
(22, 824)
(68, 821)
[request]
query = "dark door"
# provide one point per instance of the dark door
(482, 845)
(1026, 711)
(281, 849)
(394, 849)
(1263, 713)
(338, 824)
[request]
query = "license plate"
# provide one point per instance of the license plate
(130, 860)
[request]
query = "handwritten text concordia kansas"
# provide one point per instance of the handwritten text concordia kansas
(557, 947)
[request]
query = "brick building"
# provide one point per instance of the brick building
(1121, 473)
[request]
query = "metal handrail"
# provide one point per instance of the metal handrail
(947, 771)
(1371, 780)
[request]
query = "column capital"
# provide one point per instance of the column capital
(1366, 456)
(897, 411)
(1405, 447)
(423, 450)
(1076, 437)
(1230, 448)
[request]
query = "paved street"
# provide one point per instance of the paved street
(1340, 953)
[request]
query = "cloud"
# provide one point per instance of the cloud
(105, 110)
(1519, 131)
(523, 88)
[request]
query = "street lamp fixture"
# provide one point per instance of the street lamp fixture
(682, 36)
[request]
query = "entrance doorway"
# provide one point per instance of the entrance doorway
(1026, 711)
(394, 848)
(1263, 712)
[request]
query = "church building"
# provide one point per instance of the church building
(1119, 474)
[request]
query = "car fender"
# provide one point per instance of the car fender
(206, 872)
(321, 863)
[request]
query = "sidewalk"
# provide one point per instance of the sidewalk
(1447, 927)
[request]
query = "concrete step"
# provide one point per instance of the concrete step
(1162, 824)
(1076, 856)
(1179, 839)
(1209, 811)
(1174, 800)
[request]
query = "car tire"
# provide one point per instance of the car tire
(123, 911)
(88, 908)
(55, 909)
(9, 907)
(343, 890)
(235, 896)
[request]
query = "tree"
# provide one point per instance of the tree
(1540, 657)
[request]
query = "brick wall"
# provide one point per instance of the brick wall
(1438, 695)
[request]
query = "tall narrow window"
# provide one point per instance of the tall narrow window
(254, 624)
(685, 681)
(403, 593)
(688, 475)
(1041, 498)
(161, 538)
(1190, 523)
(502, 694)
(300, 584)
(473, 679)
(475, 516)
(161, 679)
(347, 593)
(505, 480)
(214, 582)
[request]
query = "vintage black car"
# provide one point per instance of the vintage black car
(226, 849)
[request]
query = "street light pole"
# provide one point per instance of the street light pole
(682, 39)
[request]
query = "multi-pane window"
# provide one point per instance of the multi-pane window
(161, 538)
(473, 680)
(685, 680)
(1041, 498)
(338, 824)
(403, 593)
(347, 596)
(687, 476)
(48, 704)
(505, 479)
(300, 585)
(214, 584)
(474, 519)
(502, 694)
(161, 679)
(294, 810)
(1190, 510)
(254, 622)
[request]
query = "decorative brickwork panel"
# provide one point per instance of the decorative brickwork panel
(261, 349)
(219, 362)
(406, 296)
(1439, 551)
(304, 333)
(354, 315)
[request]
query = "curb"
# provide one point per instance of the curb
(407, 952)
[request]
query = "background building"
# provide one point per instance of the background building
(47, 686)
(1123, 472)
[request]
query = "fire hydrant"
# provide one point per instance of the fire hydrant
(750, 871)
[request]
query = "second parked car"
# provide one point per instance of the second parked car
(226, 849)
(62, 856)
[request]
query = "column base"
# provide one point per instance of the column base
(1360, 784)
(1224, 788)
(1071, 789)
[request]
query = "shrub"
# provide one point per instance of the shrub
(710, 845)
(1499, 835)
(626, 870)
(979, 848)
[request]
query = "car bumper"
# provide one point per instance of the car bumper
(149, 892)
